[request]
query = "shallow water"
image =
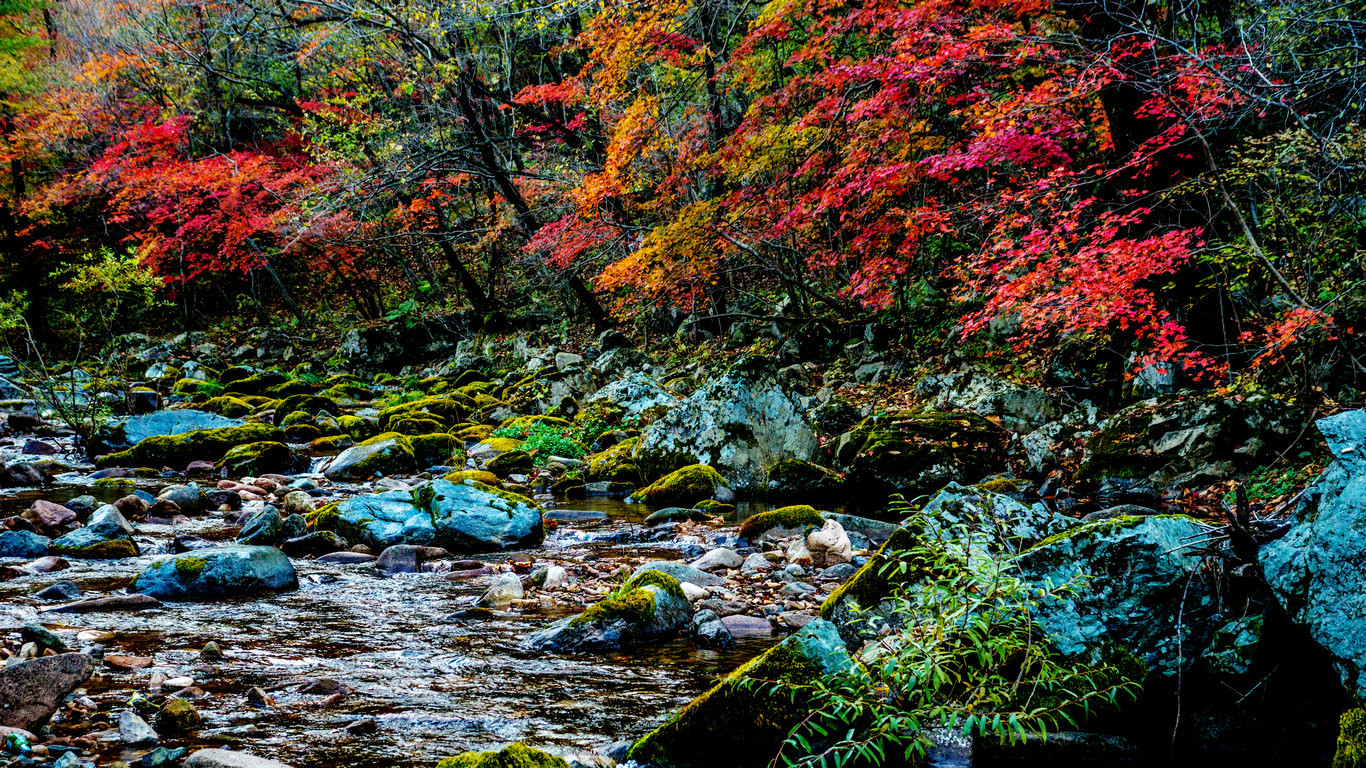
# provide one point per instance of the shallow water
(435, 687)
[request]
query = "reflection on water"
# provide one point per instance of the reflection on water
(435, 687)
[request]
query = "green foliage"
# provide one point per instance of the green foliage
(543, 440)
(969, 656)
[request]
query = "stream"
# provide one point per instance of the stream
(435, 686)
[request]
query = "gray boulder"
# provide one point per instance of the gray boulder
(361, 462)
(24, 544)
(262, 528)
(222, 758)
(740, 424)
(633, 395)
(219, 572)
(30, 691)
(647, 608)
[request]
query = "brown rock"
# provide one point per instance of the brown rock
(46, 514)
(106, 603)
(129, 662)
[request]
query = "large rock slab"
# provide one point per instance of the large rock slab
(126, 433)
(218, 572)
(30, 691)
(1317, 570)
(464, 517)
(740, 424)
(223, 758)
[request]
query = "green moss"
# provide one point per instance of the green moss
(479, 476)
(413, 425)
(290, 388)
(512, 756)
(1351, 746)
(510, 462)
(684, 487)
(190, 567)
(1002, 485)
(635, 607)
(797, 476)
(472, 432)
(115, 482)
(508, 496)
(616, 464)
(331, 444)
(179, 450)
(357, 427)
(797, 516)
(111, 549)
(657, 578)
(501, 444)
(870, 584)
(736, 722)
(714, 507)
(232, 407)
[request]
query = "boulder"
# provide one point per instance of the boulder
(680, 572)
(387, 454)
(742, 724)
(648, 607)
(740, 424)
(181, 449)
(126, 433)
(30, 691)
(1189, 441)
(829, 546)
(632, 396)
(219, 572)
(1316, 570)
(222, 758)
(262, 528)
(512, 756)
(685, 486)
(465, 517)
(1020, 408)
(24, 544)
(918, 452)
(105, 537)
(261, 458)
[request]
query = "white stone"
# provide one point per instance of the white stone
(694, 592)
(830, 545)
(717, 559)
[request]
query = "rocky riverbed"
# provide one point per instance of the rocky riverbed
(378, 571)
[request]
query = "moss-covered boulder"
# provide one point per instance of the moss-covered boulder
(796, 477)
(464, 517)
(95, 542)
(125, 433)
(416, 425)
(312, 405)
(511, 462)
(742, 724)
(478, 475)
(180, 450)
(437, 449)
(1189, 441)
(261, 458)
(1351, 743)
(385, 454)
(447, 409)
(226, 405)
(330, 445)
(616, 464)
(649, 606)
(785, 521)
(358, 427)
(919, 452)
(218, 572)
(512, 756)
(685, 487)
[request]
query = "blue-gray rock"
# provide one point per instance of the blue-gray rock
(1139, 587)
(190, 498)
(597, 629)
(361, 462)
(263, 528)
(205, 574)
(708, 631)
(126, 433)
(457, 517)
(104, 539)
(61, 591)
(24, 544)
(681, 572)
(1316, 570)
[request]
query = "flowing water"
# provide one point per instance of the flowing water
(435, 686)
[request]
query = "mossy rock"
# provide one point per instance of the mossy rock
(475, 432)
(616, 464)
(107, 549)
(714, 507)
(800, 517)
(1351, 745)
(254, 459)
(683, 488)
(511, 462)
(523, 424)
(920, 451)
(388, 453)
(290, 388)
(739, 723)
(224, 405)
(437, 448)
(655, 578)
(502, 444)
(180, 450)
(294, 419)
(302, 433)
(357, 427)
(795, 477)
(187, 387)
(636, 606)
(332, 444)
(512, 756)
(348, 391)
(255, 384)
(448, 409)
(872, 583)
(413, 425)
(477, 475)
(311, 405)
